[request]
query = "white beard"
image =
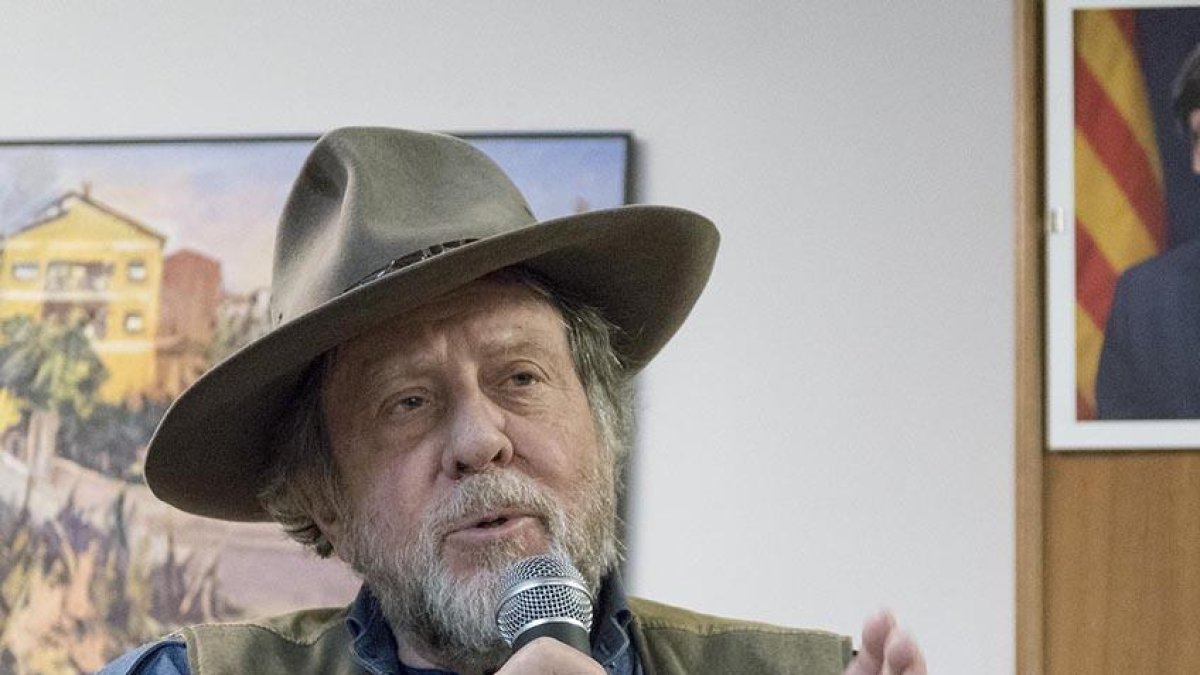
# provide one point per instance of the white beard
(449, 618)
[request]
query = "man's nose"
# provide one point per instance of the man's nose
(477, 438)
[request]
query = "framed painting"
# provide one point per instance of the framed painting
(127, 268)
(1122, 122)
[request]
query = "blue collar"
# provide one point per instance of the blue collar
(374, 645)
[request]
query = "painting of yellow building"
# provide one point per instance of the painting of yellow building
(126, 269)
(81, 260)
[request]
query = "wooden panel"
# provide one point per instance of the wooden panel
(1030, 412)
(1107, 544)
(1122, 566)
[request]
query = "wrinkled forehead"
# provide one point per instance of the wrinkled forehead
(498, 293)
(496, 310)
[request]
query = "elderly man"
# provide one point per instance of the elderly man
(445, 391)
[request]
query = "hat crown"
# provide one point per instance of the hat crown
(367, 196)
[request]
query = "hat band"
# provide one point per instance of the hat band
(410, 259)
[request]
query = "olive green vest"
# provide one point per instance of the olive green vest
(671, 641)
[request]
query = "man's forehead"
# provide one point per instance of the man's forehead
(495, 312)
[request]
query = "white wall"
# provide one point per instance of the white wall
(832, 430)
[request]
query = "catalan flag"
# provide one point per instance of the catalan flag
(1119, 205)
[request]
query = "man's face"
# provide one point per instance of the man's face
(464, 440)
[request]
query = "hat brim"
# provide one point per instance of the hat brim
(642, 267)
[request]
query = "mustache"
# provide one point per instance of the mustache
(492, 491)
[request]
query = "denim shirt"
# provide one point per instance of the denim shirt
(374, 645)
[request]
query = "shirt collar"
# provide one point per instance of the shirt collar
(372, 642)
(610, 629)
(374, 645)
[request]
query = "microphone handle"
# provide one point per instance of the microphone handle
(565, 632)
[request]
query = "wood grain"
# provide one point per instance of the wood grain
(1030, 412)
(1122, 567)
(1107, 543)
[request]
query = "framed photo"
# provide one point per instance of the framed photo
(1123, 215)
(128, 267)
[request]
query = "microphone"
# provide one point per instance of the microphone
(544, 596)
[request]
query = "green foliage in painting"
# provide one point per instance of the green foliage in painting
(81, 593)
(51, 365)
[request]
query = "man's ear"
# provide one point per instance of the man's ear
(326, 517)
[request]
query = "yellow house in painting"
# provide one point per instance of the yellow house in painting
(81, 259)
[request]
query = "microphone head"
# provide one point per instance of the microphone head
(538, 590)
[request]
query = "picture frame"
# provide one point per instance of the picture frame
(1121, 195)
(128, 267)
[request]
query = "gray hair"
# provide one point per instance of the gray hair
(303, 478)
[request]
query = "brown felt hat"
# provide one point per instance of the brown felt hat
(379, 222)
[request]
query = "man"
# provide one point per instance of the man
(445, 391)
(1150, 362)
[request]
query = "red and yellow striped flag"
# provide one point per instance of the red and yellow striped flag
(1119, 210)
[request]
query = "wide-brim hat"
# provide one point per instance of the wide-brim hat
(379, 222)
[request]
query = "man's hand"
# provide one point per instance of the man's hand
(547, 656)
(886, 650)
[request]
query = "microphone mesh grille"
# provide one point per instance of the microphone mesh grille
(547, 596)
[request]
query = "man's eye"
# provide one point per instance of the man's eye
(407, 403)
(411, 402)
(524, 379)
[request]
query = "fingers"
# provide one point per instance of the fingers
(547, 656)
(902, 656)
(875, 632)
(887, 650)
